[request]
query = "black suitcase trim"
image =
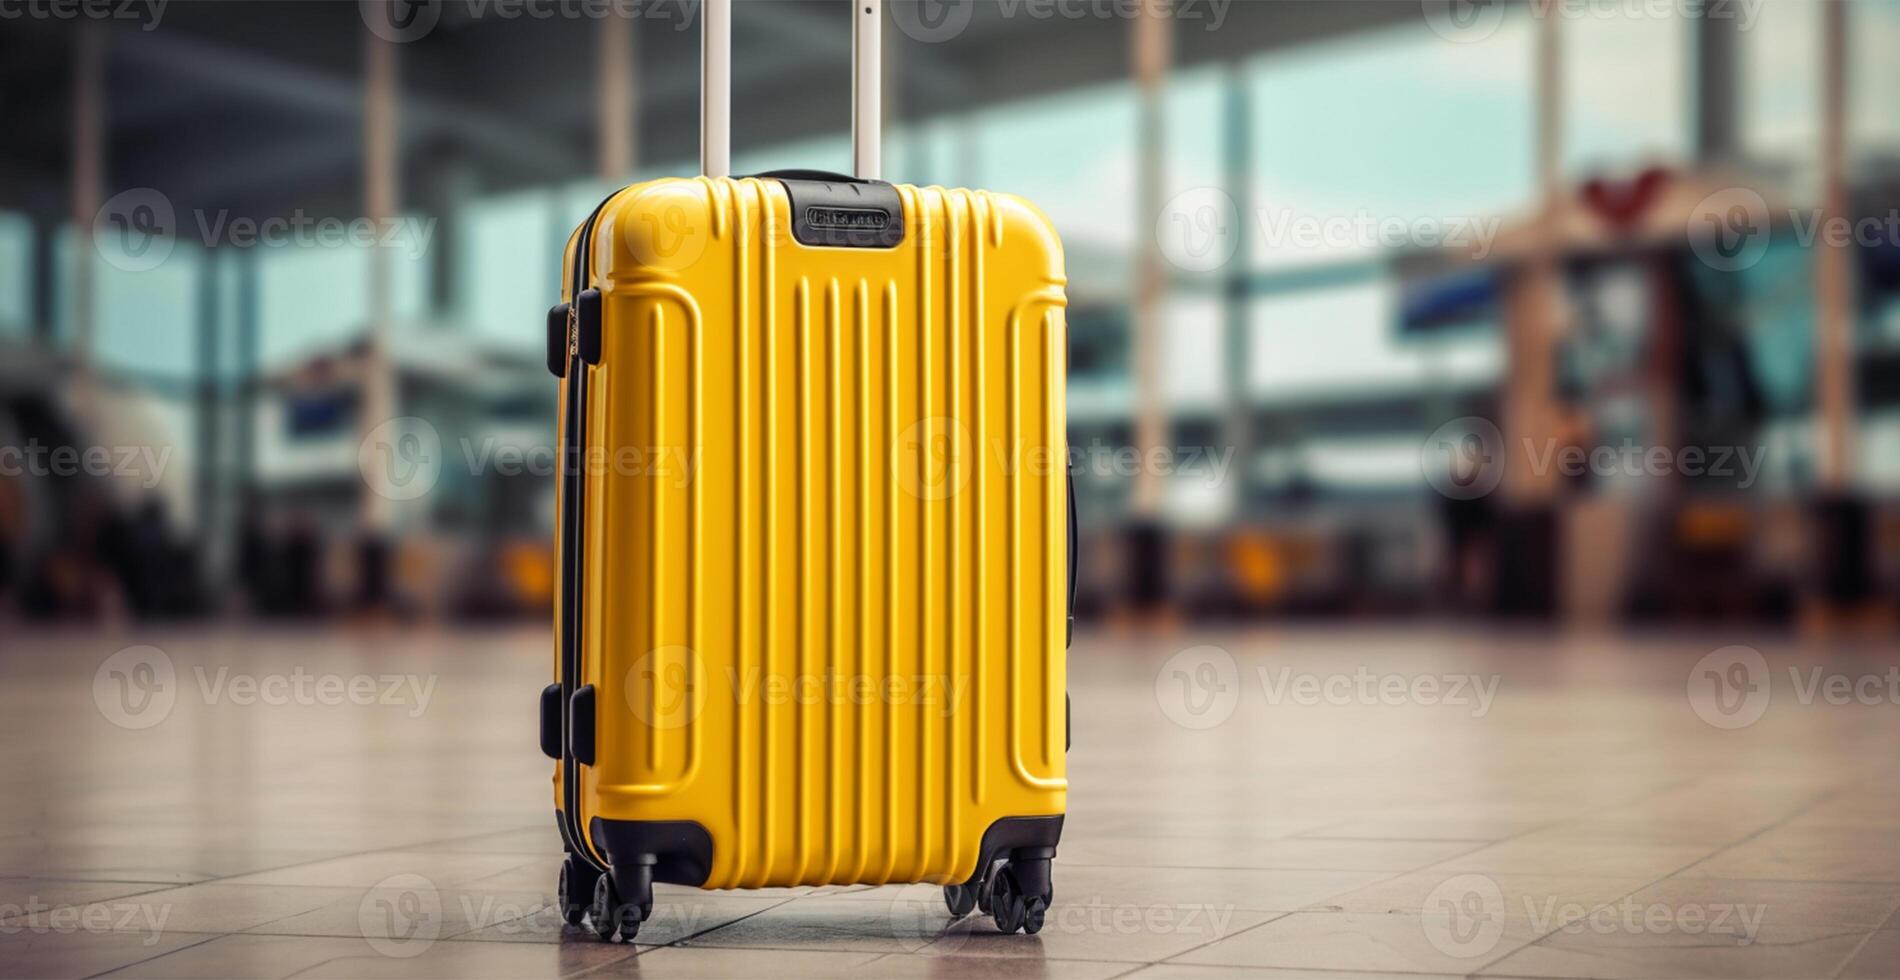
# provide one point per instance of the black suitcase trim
(573, 503)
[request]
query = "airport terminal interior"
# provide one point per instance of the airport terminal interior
(1485, 423)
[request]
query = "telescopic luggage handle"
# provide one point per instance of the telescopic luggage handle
(715, 88)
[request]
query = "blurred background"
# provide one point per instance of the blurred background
(1579, 313)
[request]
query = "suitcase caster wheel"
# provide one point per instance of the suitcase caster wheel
(982, 884)
(1014, 910)
(576, 887)
(614, 920)
(961, 898)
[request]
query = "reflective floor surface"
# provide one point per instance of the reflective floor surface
(224, 802)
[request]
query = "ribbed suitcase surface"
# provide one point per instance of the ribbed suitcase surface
(825, 566)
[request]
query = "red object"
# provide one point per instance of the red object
(1621, 204)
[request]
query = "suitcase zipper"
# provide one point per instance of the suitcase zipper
(573, 503)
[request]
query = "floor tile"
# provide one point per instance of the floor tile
(1126, 933)
(1792, 951)
(1878, 959)
(1285, 853)
(1188, 971)
(1254, 889)
(674, 918)
(1368, 942)
(900, 966)
(21, 896)
(207, 908)
(1532, 897)
(1552, 854)
(1331, 839)
(274, 957)
(443, 870)
(675, 963)
(46, 955)
(1810, 853)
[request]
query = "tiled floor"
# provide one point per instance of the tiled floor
(1263, 803)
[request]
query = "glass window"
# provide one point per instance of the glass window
(1193, 355)
(509, 264)
(1399, 124)
(1626, 85)
(1781, 87)
(1873, 93)
(144, 321)
(830, 152)
(1337, 343)
(1072, 154)
(16, 275)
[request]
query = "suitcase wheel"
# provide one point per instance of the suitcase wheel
(575, 891)
(614, 919)
(962, 898)
(1013, 903)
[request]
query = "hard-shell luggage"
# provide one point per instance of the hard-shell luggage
(815, 533)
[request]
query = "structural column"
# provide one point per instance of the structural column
(1834, 313)
(380, 162)
(1151, 52)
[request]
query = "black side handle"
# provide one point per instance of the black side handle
(587, 324)
(1074, 556)
(551, 721)
(580, 725)
(557, 340)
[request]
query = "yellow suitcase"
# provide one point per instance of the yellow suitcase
(815, 536)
